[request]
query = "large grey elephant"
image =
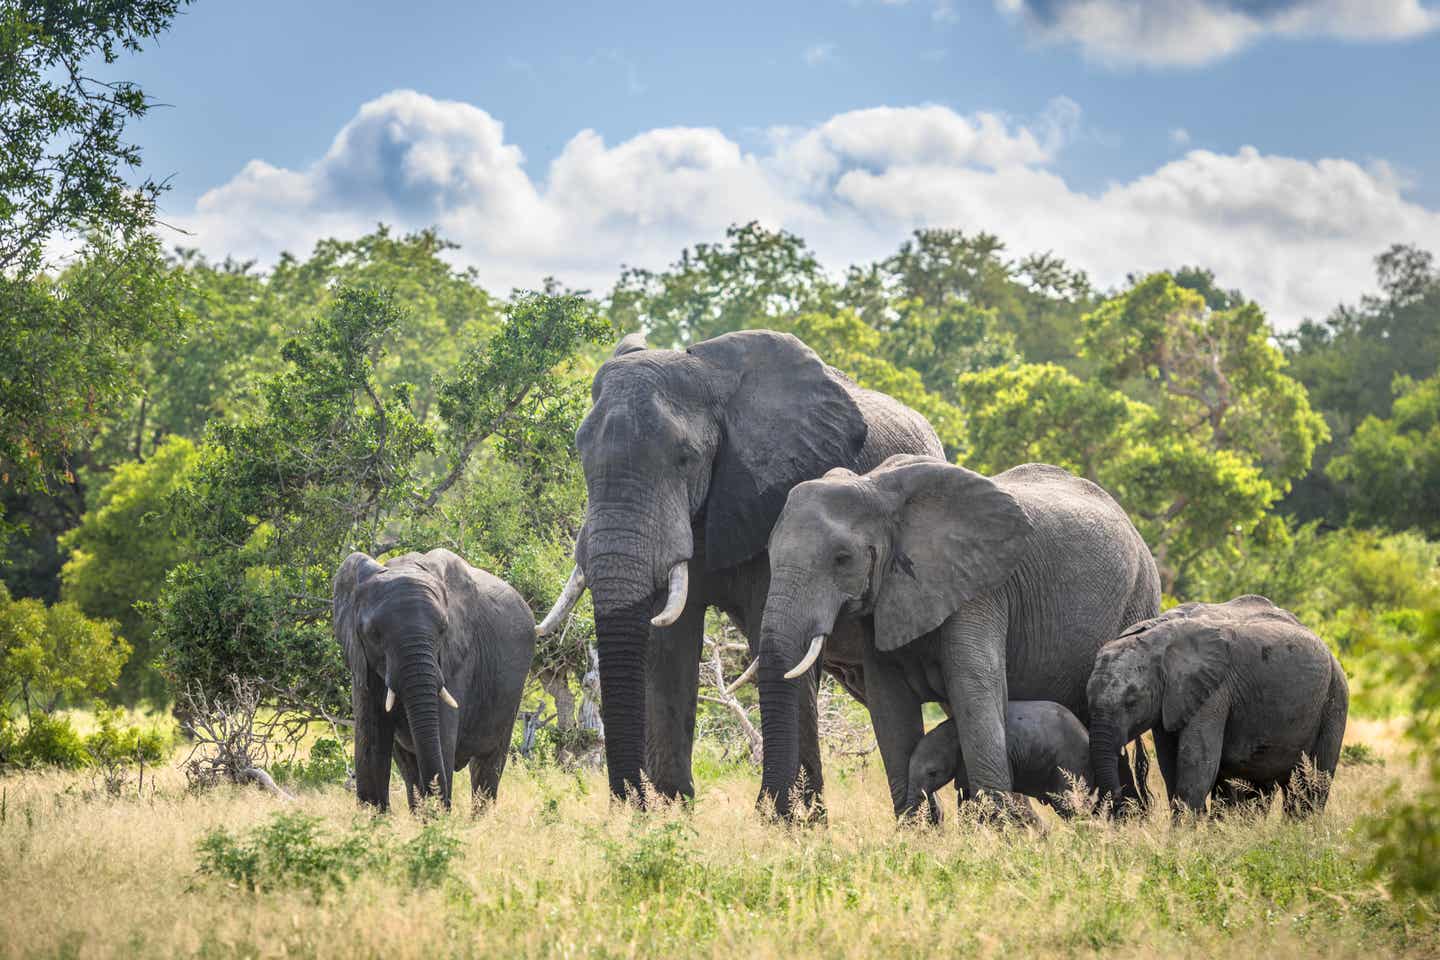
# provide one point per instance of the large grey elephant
(438, 653)
(979, 591)
(1231, 691)
(688, 456)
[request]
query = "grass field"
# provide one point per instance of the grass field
(555, 869)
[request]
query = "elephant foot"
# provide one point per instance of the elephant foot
(1000, 809)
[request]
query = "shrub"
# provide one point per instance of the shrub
(295, 850)
(47, 742)
(327, 764)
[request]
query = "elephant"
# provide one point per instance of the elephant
(975, 591)
(1235, 691)
(1046, 744)
(422, 632)
(688, 456)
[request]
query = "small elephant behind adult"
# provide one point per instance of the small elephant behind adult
(438, 652)
(1047, 746)
(1236, 691)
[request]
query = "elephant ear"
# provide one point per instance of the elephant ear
(630, 343)
(345, 614)
(1195, 663)
(957, 535)
(787, 418)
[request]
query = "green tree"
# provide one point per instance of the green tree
(1190, 421)
(753, 279)
(1185, 495)
(1391, 473)
(53, 655)
(1349, 361)
(122, 550)
(334, 461)
(64, 166)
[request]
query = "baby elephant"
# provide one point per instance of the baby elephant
(1043, 741)
(1231, 691)
(438, 653)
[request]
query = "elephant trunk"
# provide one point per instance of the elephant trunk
(1105, 758)
(620, 588)
(781, 638)
(420, 683)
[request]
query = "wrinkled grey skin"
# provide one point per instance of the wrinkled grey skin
(979, 590)
(1236, 690)
(1043, 741)
(427, 620)
(688, 455)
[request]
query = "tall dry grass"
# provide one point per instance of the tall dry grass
(555, 869)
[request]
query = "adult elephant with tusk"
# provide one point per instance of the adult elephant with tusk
(688, 456)
(438, 652)
(979, 590)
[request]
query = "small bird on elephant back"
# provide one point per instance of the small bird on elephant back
(1243, 702)
(438, 652)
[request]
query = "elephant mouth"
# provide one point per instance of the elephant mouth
(855, 606)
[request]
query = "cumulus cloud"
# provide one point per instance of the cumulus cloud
(1297, 235)
(1193, 32)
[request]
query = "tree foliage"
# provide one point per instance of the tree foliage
(66, 156)
(54, 655)
(333, 460)
(1391, 472)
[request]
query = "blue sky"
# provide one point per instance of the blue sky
(1282, 142)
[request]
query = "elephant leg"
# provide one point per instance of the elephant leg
(895, 713)
(410, 773)
(972, 644)
(1198, 755)
(670, 703)
(374, 741)
(485, 771)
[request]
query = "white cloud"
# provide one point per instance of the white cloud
(1180, 136)
(818, 54)
(1192, 32)
(1297, 235)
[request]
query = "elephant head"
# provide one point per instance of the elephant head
(935, 762)
(907, 543)
(393, 622)
(707, 441)
(1158, 672)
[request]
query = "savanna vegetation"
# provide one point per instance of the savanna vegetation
(188, 448)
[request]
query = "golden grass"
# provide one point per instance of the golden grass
(555, 869)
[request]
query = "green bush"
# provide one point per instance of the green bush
(1408, 857)
(327, 765)
(295, 850)
(47, 742)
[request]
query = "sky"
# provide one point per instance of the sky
(1280, 143)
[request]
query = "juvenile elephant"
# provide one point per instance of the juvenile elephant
(1231, 691)
(979, 591)
(688, 456)
(1047, 746)
(438, 653)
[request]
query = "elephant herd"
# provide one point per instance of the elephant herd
(745, 474)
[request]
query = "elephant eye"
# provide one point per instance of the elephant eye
(844, 559)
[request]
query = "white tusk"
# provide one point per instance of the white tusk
(389, 699)
(675, 603)
(809, 659)
(570, 596)
(745, 677)
(445, 695)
